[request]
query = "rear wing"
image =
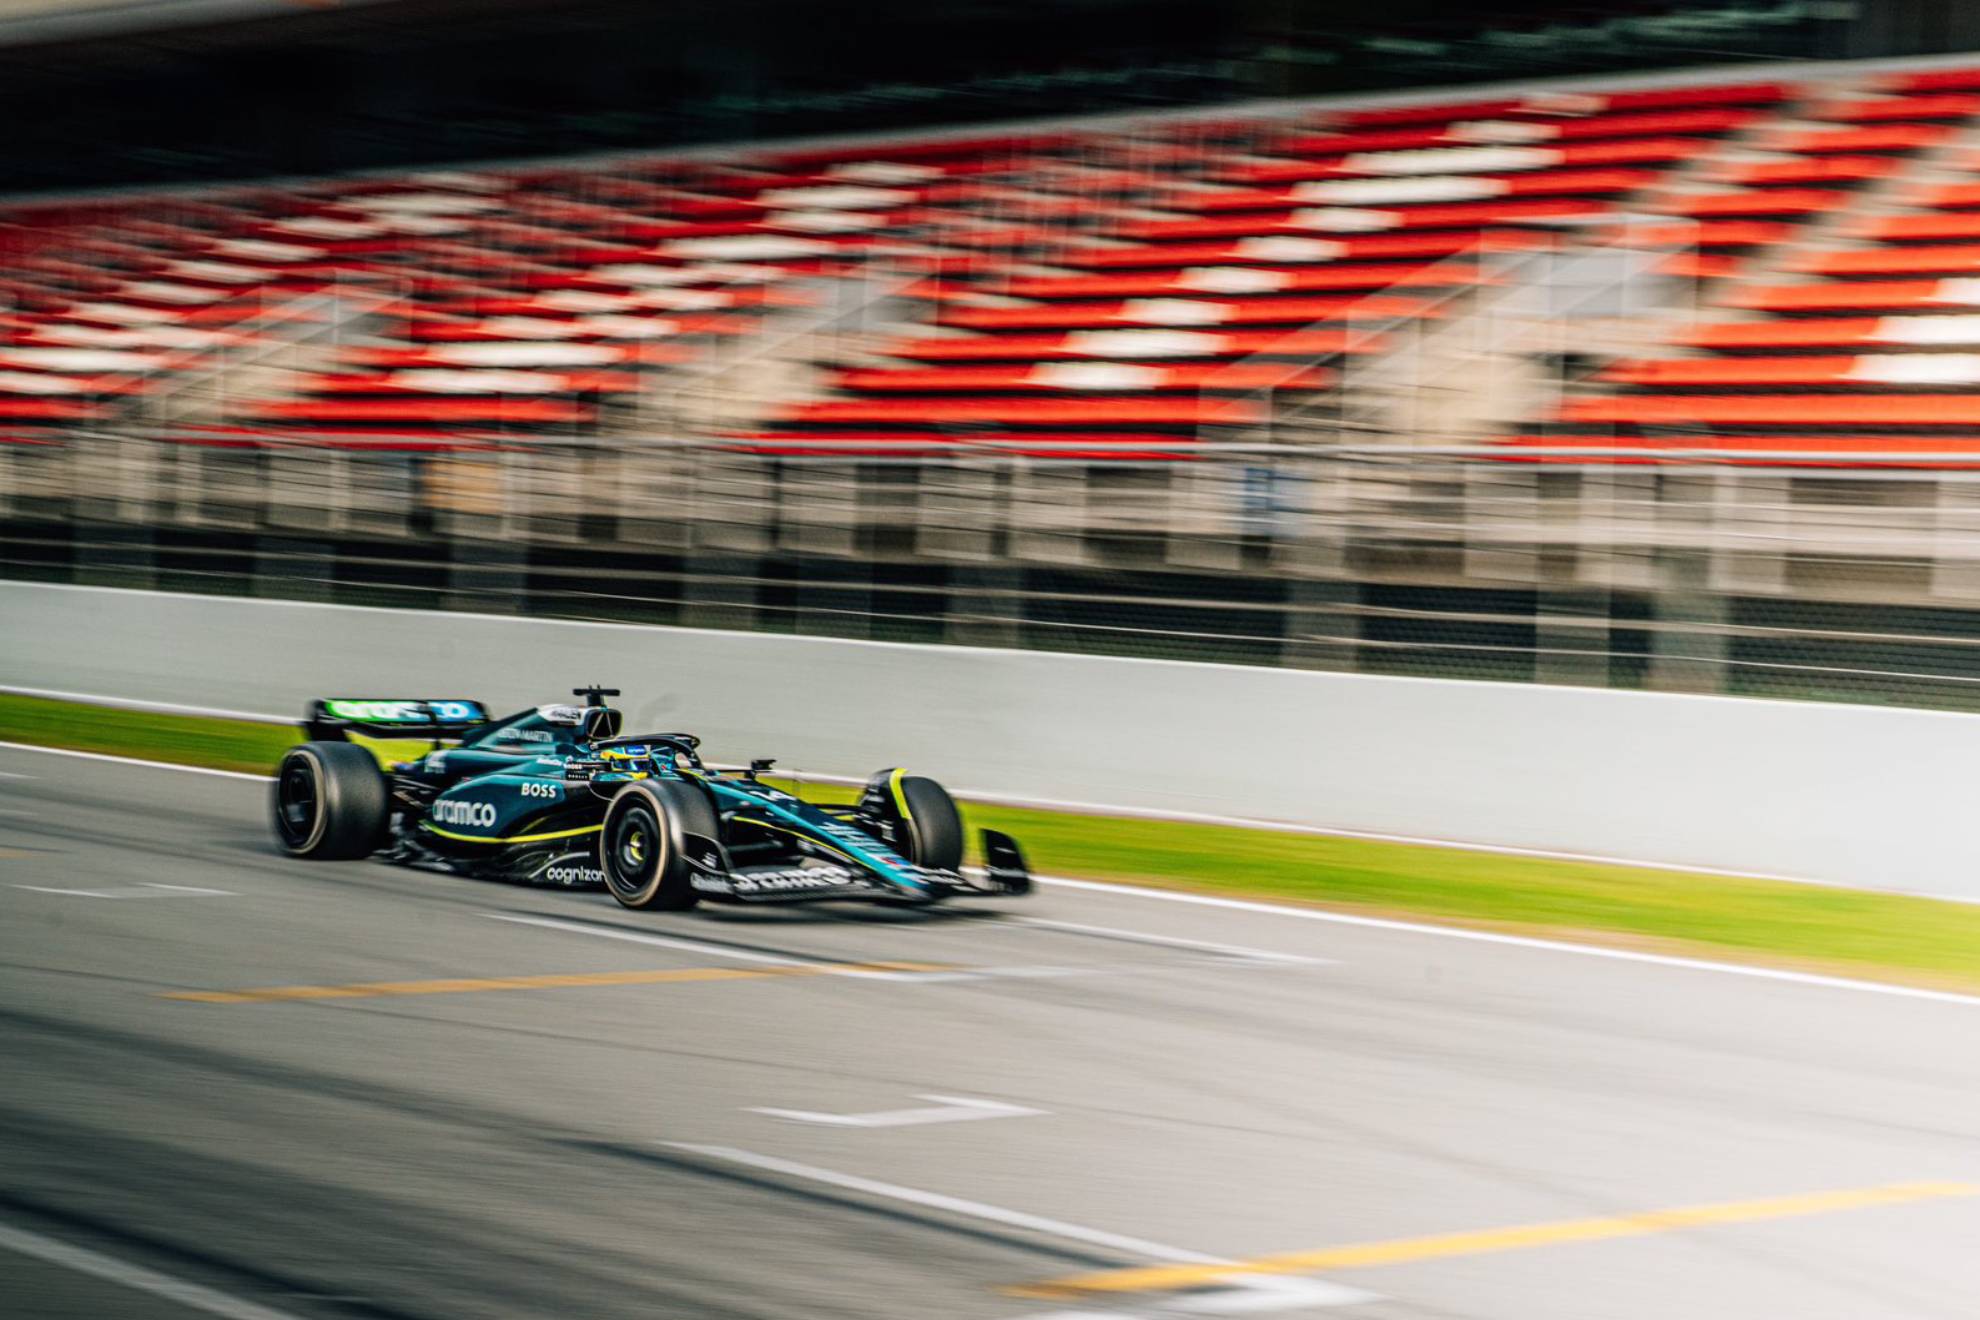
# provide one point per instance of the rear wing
(332, 718)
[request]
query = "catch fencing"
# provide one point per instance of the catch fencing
(1668, 570)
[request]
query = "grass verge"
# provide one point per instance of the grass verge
(1886, 936)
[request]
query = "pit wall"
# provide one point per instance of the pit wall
(1864, 796)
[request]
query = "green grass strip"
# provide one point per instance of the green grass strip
(1860, 933)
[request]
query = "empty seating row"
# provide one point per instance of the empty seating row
(1846, 350)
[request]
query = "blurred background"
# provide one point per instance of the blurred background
(1147, 327)
(1603, 351)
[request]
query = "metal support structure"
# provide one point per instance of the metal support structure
(488, 576)
(1688, 650)
(721, 592)
(1323, 625)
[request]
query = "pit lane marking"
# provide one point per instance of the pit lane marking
(946, 1109)
(1399, 1251)
(560, 981)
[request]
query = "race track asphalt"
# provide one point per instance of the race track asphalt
(1149, 1081)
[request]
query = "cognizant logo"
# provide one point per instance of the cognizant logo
(451, 812)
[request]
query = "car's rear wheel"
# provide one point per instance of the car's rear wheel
(330, 802)
(920, 818)
(640, 847)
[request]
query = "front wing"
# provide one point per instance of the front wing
(1004, 875)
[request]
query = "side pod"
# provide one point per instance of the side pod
(1004, 865)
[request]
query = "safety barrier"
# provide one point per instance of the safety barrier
(1850, 795)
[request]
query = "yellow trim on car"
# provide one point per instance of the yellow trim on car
(513, 838)
(808, 838)
(900, 798)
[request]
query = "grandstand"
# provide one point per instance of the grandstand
(1374, 384)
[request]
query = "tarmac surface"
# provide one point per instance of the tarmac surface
(496, 1101)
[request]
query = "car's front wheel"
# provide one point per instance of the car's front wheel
(640, 847)
(919, 818)
(330, 802)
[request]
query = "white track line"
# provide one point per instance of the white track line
(955, 1205)
(749, 955)
(94, 1263)
(640, 937)
(141, 703)
(143, 889)
(946, 1109)
(1170, 941)
(1318, 1292)
(1304, 914)
(131, 760)
(1521, 941)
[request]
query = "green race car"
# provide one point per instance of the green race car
(558, 795)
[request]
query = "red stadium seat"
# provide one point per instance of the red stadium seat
(1837, 332)
(1201, 280)
(1869, 410)
(1907, 109)
(495, 411)
(1359, 219)
(1895, 369)
(1889, 261)
(1185, 410)
(1916, 228)
(1865, 295)
(1887, 137)
(1801, 170)
(1104, 377)
(1468, 160)
(28, 409)
(1428, 190)
(1279, 250)
(1184, 312)
(449, 381)
(1759, 201)
(1139, 344)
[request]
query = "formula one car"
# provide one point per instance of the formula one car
(558, 795)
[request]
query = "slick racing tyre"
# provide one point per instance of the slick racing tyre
(330, 802)
(921, 819)
(639, 848)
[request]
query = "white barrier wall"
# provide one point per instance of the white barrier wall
(1850, 794)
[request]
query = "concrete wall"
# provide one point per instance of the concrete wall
(1848, 794)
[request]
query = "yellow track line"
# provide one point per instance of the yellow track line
(1399, 1251)
(565, 981)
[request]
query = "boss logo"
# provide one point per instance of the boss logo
(453, 812)
(540, 790)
